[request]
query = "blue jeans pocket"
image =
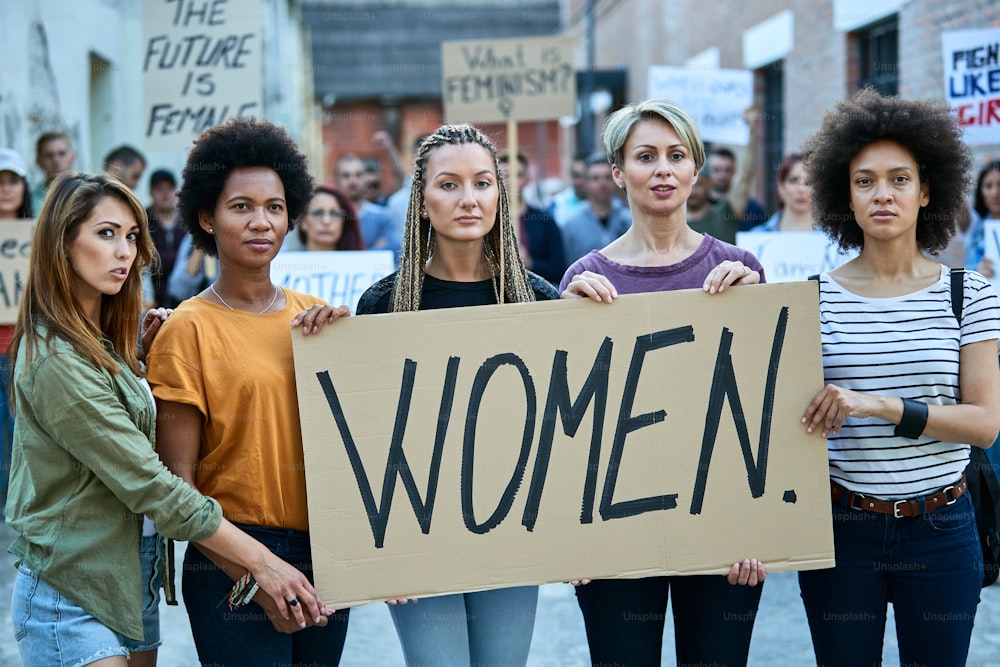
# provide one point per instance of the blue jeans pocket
(953, 518)
(24, 590)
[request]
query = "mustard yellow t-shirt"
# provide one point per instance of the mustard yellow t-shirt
(236, 367)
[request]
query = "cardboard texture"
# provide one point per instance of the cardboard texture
(492, 81)
(545, 442)
(15, 248)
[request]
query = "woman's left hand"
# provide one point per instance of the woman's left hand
(748, 573)
(729, 273)
(151, 322)
(315, 318)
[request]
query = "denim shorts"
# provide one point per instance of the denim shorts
(150, 553)
(53, 630)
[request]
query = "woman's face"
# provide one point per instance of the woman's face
(657, 169)
(461, 192)
(886, 191)
(323, 222)
(795, 191)
(102, 251)
(11, 195)
(250, 219)
(990, 189)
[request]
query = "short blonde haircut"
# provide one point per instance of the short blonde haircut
(619, 125)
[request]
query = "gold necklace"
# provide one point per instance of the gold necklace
(223, 301)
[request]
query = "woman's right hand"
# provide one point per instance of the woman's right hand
(294, 598)
(315, 318)
(592, 285)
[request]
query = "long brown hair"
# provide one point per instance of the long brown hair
(48, 298)
(500, 243)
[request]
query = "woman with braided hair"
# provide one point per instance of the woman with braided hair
(459, 249)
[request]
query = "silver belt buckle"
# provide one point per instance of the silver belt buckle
(895, 509)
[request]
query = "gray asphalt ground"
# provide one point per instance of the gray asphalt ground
(781, 637)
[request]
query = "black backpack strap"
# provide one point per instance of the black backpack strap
(957, 292)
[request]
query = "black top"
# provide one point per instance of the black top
(446, 293)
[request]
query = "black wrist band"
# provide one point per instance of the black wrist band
(913, 421)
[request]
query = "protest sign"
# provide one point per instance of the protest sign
(492, 81)
(201, 66)
(991, 248)
(788, 256)
(15, 248)
(471, 448)
(715, 98)
(337, 277)
(972, 81)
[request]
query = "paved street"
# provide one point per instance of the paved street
(781, 638)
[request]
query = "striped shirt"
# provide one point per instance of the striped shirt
(905, 346)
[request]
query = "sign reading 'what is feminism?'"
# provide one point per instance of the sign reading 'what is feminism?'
(464, 449)
(492, 81)
(201, 66)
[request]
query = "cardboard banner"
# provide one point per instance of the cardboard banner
(201, 65)
(472, 448)
(15, 248)
(790, 256)
(715, 98)
(972, 81)
(491, 81)
(337, 277)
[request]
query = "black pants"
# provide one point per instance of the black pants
(713, 620)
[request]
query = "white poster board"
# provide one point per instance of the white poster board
(972, 81)
(991, 246)
(337, 277)
(789, 256)
(715, 98)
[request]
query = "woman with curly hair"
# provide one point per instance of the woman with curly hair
(84, 467)
(459, 249)
(330, 222)
(221, 371)
(910, 386)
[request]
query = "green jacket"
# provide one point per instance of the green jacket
(83, 472)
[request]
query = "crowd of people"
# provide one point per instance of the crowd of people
(126, 388)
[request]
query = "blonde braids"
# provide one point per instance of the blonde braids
(500, 244)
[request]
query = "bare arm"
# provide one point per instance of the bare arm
(739, 194)
(975, 420)
(233, 551)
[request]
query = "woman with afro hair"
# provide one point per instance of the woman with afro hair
(910, 387)
(221, 372)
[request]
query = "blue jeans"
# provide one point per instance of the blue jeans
(929, 567)
(246, 637)
(53, 631)
(713, 619)
(150, 552)
(468, 629)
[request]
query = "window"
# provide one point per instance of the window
(878, 56)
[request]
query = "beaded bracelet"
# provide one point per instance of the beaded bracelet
(243, 591)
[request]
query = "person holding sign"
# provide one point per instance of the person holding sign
(656, 155)
(986, 207)
(85, 470)
(459, 249)
(912, 384)
(330, 222)
(794, 199)
(221, 371)
(15, 204)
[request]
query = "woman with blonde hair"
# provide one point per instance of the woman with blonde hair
(459, 249)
